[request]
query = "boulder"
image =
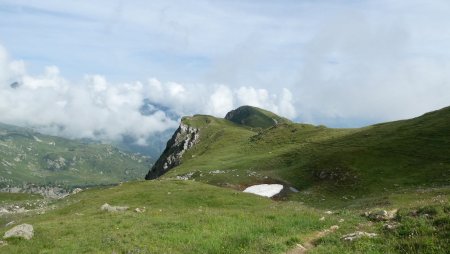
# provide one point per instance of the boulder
(23, 231)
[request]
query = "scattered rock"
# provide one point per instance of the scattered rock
(77, 190)
(110, 208)
(334, 228)
(381, 215)
(356, 235)
(322, 219)
(391, 225)
(3, 243)
(329, 212)
(139, 210)
(23, 231)
(341, 220)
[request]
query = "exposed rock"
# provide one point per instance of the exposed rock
(334, 228)
(110, 208)
(356, 235)
(77, 190)
(184, 138)
(46, 191)
(381, 215)
(322, 219)
(24, 231)
(139, 210)
(391, 225)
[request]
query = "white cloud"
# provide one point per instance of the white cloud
(220, 102)
(344, 63)
(96, 108)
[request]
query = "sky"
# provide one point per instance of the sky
(84, 68)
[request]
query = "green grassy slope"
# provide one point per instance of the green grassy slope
(340, 174)
(192, 217)
(27, 156)
(179, 217)
(320, 160)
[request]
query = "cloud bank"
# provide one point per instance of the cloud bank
(339, 63)
(96, 108)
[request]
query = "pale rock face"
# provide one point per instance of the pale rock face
(23, 231)
(265, 190)
(184, 138)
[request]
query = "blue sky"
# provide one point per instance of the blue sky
(339, 63)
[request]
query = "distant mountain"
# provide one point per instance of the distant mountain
(30, 157)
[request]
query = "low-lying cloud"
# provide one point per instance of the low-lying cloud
(96, 108)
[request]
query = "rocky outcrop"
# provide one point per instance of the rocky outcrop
(182, 140)
(23, 231)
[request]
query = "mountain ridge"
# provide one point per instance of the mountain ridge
(307, 157)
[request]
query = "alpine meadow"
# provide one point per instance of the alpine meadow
(225, 127)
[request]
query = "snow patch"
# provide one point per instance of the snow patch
(266, 190)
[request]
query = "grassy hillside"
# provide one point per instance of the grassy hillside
(192, 217)
(27, 156)
(179, 217)
(340, 175)
(321, 161)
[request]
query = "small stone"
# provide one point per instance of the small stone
(329, 212)
(381, 215)
(110, 208)
(139, 210)
(356, 235)
(23, 230)
(3, 243)
(341, 220)
(322, 219)
(77, 190)
(390, 226)
(334, 228)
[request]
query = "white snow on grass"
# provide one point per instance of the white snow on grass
(266, 190)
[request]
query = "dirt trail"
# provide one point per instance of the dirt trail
(309, 243)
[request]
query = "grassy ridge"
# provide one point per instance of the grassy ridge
(320, 160)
